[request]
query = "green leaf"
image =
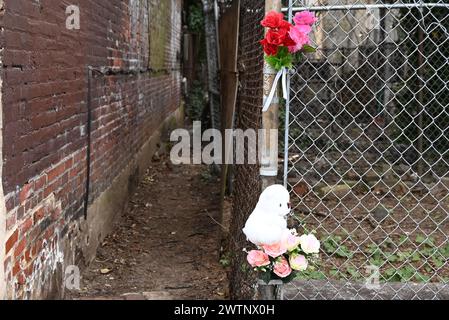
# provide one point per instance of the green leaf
(438, 262)
(334, 273)
(283, 52)
(445, 251)
(265, 277)
(420, 239)
(422, 277)
(282, 59)
(308, 49)
(392, 257)
(416, 257)
(344, 252)
(353, 272)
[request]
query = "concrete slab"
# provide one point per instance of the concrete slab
(340, 290)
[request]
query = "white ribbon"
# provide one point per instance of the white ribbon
(281, 73)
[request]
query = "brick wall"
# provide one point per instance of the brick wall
(44, 107)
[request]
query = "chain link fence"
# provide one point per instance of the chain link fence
(368, 160)
(247, 186)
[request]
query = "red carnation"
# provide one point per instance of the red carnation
(273, 20)
(288, 41)
(270, 49)
(276, 37)
(285, 25)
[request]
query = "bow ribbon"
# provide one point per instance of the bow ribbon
(281, 74)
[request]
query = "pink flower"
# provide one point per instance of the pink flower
(275, 250)
(300, 35)
(305, 18)
(291, 242)
(298, 262)
(257, 258)
(281, 268)
(310, 244)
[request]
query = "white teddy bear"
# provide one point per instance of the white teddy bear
(267, 224)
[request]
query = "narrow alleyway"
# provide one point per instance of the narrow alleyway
(167, 244)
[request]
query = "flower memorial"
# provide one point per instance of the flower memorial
(285, 44)
(284, 260)
(281, 253)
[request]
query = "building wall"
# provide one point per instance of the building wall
(44, 98)
(2, 199)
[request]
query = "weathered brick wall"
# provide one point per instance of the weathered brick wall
(44, 99)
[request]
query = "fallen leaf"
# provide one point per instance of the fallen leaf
(105, 271)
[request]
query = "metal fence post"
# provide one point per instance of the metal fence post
(270, 145)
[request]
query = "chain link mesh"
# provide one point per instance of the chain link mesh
(248, 116)
(368, 164)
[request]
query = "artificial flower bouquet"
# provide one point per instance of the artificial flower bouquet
(285, 43)
(285, 260)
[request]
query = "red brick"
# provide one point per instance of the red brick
(39, 215)
(55, 172)
(11, 241)
(10, 203)
(36, 248)
(16, 269)
(40, 183)
(26, 226)
(28, 256)
(20, 212)
(26, 192)
(68, 164)
(20, 248)
(11, 221)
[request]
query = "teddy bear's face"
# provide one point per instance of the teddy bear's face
(275, 200)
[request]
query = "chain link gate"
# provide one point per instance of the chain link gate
(366, 149)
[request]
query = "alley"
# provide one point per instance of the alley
(167, 244)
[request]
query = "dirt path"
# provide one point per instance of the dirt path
(167, 244)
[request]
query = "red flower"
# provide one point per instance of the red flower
(273, 20)
(288, 42)
(285, 25)
(276, 37)
(278, 34)
(270, 49)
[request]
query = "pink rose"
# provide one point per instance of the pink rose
(300, 35)
(275, 250)
(291, 242)
(298, 262)
(282, 269)
(257, 258)
(305, 18)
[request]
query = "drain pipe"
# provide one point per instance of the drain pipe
(89, 139)
(270, 119)
(106, 71)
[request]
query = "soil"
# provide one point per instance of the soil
(167, 244)
(374, 207)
